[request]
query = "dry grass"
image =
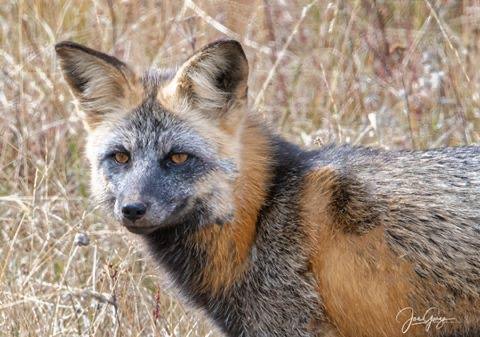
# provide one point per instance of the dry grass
(397, 74)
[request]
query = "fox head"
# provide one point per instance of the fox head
(163, 148)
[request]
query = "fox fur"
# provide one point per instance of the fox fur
(265, 237)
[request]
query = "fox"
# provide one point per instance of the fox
(268, 238)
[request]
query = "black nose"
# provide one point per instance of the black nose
(134, 211)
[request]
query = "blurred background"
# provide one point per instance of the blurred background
(393, 74)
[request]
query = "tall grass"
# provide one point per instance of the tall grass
(395, 74)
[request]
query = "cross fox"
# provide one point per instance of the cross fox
(266, 238)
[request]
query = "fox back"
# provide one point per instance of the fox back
(265, 237)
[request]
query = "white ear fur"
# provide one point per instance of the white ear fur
(102, 83)
(215, 78)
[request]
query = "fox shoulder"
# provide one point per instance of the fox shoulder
(341, 199)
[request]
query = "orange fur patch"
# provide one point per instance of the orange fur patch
(363, 285)
(229, 245)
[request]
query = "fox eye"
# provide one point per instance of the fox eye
(121, 157)
(178, 158)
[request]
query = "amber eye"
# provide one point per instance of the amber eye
(122, 157)
(178, 158)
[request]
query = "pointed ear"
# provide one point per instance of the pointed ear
(103, 84)
(213, 80)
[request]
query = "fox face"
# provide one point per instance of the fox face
(163, 148)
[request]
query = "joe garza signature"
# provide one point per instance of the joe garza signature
(427, 319)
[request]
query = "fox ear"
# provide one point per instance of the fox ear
(214, 80)
(101, 83)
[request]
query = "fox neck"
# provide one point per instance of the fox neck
(207, 262)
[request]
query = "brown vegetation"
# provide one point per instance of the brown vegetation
(395, 74)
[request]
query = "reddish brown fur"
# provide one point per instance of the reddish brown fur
(362, 283)
(229, 245)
